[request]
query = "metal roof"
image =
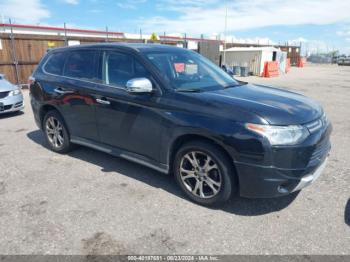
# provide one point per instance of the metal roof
(245, 49)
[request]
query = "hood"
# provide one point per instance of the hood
(6, 86)
(276, 106)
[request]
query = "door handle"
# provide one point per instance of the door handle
(62, 92)
(103, 101)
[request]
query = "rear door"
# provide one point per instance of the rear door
(71, 92)
(127, 121)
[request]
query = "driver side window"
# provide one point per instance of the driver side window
(119, 68)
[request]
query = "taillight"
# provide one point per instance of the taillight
(31, 80)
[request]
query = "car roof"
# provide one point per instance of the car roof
(139, 47)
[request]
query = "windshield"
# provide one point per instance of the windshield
(187, 70)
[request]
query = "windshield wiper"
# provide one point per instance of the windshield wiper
(240, 83)
(191, 90)
(229, 86)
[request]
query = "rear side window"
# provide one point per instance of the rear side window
(81, 64)
(55, 64)
(119, 68)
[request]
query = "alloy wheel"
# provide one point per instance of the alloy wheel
(200, 174)
(54, 132)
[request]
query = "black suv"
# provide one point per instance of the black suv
(173, 110)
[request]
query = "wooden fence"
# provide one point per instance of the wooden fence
(20, 53)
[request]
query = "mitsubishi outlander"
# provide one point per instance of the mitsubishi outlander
(173, 110)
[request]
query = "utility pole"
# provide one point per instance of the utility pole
(225, 32)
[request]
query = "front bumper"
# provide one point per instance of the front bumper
(277, 178)
(11, 104)
(309, 179)
(266, 182)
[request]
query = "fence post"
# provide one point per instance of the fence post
(65, 35)
(107, 40)
(141, 35)
(14, 55)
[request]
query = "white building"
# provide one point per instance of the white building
(252, 57)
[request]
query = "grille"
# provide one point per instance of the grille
(314, 126)
(5, 108)
(4, 94)
(318, 124)
(320, 152)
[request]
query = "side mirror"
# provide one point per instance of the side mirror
(139, 85)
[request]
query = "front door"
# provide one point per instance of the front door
(127, 121)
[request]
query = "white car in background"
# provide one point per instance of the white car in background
(11, 98)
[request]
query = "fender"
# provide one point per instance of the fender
(171, 142)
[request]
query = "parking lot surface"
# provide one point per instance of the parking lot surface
(88, 202)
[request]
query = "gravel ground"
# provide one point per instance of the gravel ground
(88, 202)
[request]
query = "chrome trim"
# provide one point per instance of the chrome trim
(84, 143)
(83, 80)
(141, 162)
(314, 126)
(104, 102)
(235, 162)
(62, 92)
(87, 81)
(317, 124)
(124, 155)
(139, 85)
(309, 179)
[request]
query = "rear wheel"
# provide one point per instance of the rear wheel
(204, 173)
(56, 132)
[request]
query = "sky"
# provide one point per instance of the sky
(319, 25)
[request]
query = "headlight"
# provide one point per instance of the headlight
(15, 92)
(280, 135)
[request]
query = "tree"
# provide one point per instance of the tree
(154, 37)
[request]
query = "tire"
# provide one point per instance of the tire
(56, 133)
(218, 169)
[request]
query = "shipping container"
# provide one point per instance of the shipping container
(252, 57)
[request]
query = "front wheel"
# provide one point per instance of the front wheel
(204, 173)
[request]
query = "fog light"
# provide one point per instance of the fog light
(282, 190)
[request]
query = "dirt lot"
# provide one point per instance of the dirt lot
(88, 202)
